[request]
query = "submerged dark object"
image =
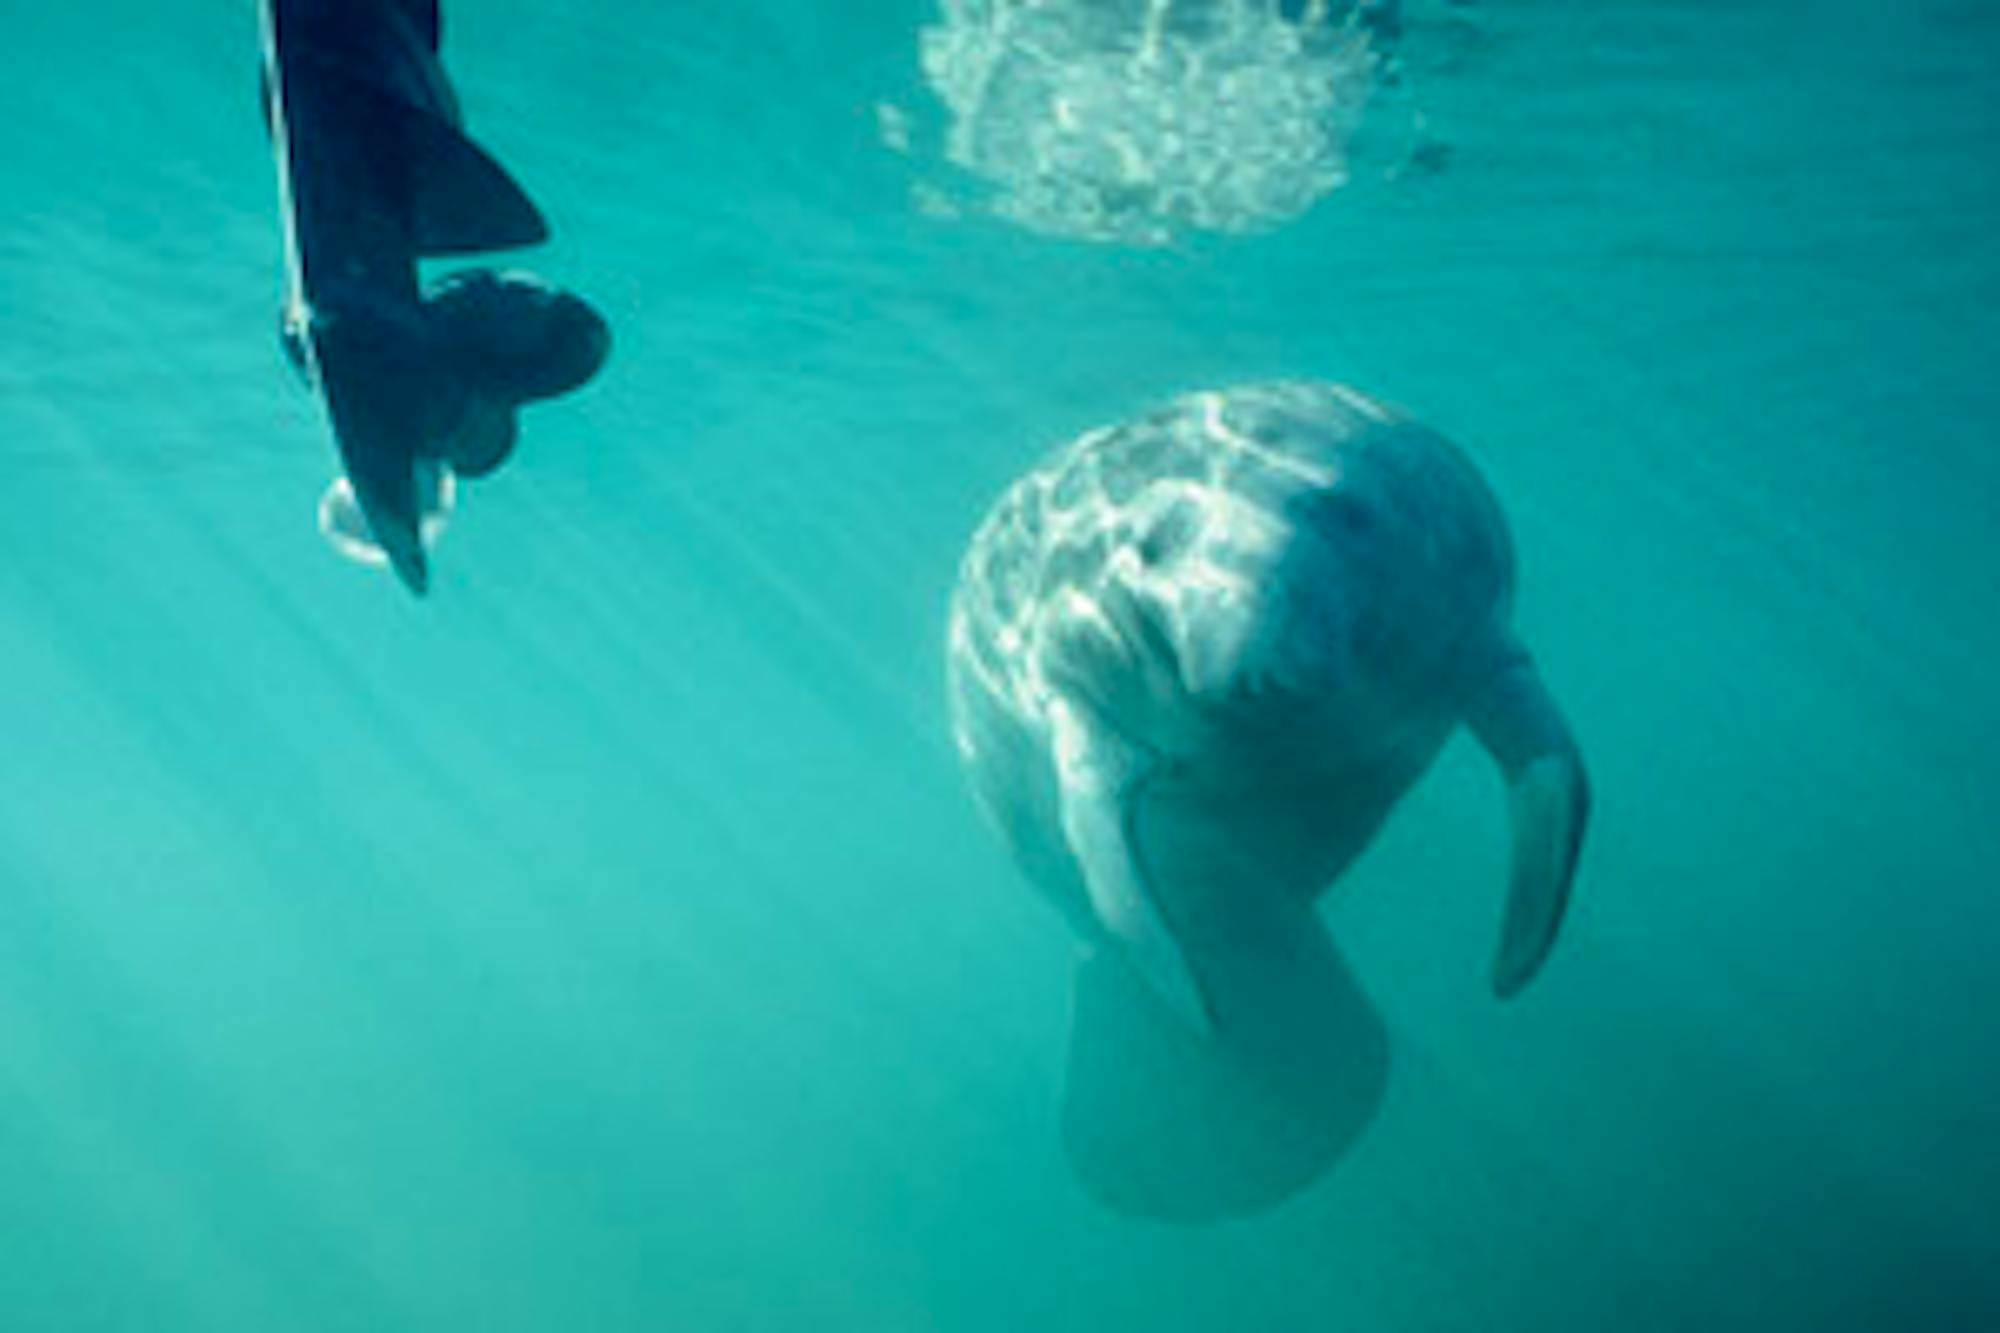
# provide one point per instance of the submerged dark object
(375, 174)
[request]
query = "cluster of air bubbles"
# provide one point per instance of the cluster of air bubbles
(1137, 121)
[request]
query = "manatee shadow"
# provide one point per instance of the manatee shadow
(1162, 1124)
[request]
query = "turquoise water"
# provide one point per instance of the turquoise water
(608, 941)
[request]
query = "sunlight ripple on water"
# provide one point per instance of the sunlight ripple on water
(1138, 120)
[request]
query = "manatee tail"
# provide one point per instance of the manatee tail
(1163, 1123)
(1548, 797)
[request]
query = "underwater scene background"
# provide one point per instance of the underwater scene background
(609, 941)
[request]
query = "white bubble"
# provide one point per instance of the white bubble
(1136, 120)
(345, 526)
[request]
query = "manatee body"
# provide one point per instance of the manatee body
(1196, 658)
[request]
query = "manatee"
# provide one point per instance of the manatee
(1194, 661)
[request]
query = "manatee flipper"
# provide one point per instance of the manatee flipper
(1098, 773)
(1548, 797)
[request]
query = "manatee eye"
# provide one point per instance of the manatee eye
(1270, 434)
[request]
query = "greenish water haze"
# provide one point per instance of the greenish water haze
(608, 941)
